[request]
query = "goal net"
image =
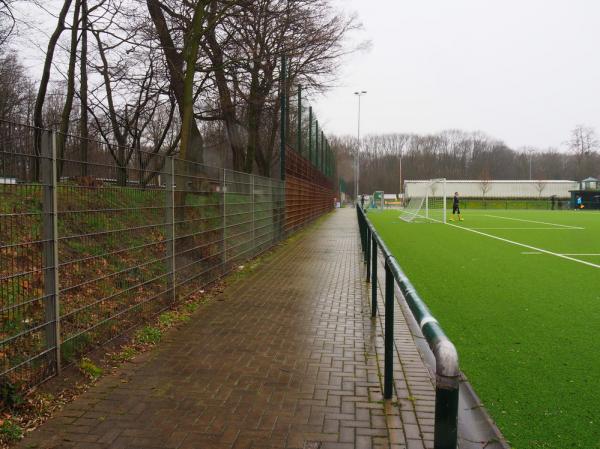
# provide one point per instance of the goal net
(377, 200)
(428, 203)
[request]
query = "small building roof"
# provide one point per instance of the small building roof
(590, 179)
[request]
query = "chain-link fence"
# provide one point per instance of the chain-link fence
(95, 241)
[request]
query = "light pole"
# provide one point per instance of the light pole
(400, 170)
(530, 152)
(357, 158)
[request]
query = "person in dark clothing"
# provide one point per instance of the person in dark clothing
(456, 208)
(553, 199)
(362, 201)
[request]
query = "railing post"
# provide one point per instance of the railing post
(368, 253)
(446, 367)
(170, 223)
(445, 432)
(374, 277)
(50, 245)
(388, 376)
(362, 231)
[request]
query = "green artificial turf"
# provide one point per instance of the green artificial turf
(527, 326)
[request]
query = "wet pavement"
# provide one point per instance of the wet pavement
(286, 358)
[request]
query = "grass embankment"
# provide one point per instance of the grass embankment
(526, 324)
(114, 269)
(113, 274)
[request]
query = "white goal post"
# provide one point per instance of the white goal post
(429, 203)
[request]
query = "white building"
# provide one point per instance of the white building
(494, 188)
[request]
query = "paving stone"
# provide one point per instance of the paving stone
(288, 357)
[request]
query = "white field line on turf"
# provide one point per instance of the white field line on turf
(534, 221)
(581, 254)
(562, 256)
(537, 229)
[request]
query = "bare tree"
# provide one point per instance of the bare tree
(7, 21)
(83, 91)
(179, 27)
(540, 186)
(43, 86)
(70, 94)
(583, 143)
(245, 49)
(15, 90)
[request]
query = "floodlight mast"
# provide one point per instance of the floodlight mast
(357, 155)
(530, 152)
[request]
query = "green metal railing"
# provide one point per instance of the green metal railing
(446, 357)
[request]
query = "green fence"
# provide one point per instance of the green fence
(85, 258)
(446, 357)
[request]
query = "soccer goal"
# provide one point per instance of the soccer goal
(429, 203)
(377, 200)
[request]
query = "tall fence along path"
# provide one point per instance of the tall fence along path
(286, 358)
(93, 243)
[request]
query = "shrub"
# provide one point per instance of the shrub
(10, 431)
(87, 367)
(148, 335)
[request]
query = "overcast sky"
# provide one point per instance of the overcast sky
(523, 71)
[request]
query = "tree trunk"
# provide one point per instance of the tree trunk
(66, 113)
(38, 121)
(240, 160)
(83, 121)
(193, 149)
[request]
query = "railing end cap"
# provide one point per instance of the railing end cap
(446, 358)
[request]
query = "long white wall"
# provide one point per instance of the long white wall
(495, 188)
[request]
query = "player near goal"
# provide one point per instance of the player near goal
(456, 207)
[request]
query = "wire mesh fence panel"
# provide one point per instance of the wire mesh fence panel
(27, 324)
(238, 217)
(112, 223)
(199, 238)
(268, 212)
(97, 238)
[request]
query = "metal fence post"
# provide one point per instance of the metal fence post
(224, 193)
(365, 238)
(322, 148)
(253, 213)
(360, 227)
(310, 125)
(374, 277)
(362, 232)
(445, 432)
(388, 378)
(368, 254)
(282, 119)
(299, 136)
(316, 163)
(50, 245)
(170, 223)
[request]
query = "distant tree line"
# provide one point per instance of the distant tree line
(457, 154)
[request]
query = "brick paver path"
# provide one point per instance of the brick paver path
(286, 358)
